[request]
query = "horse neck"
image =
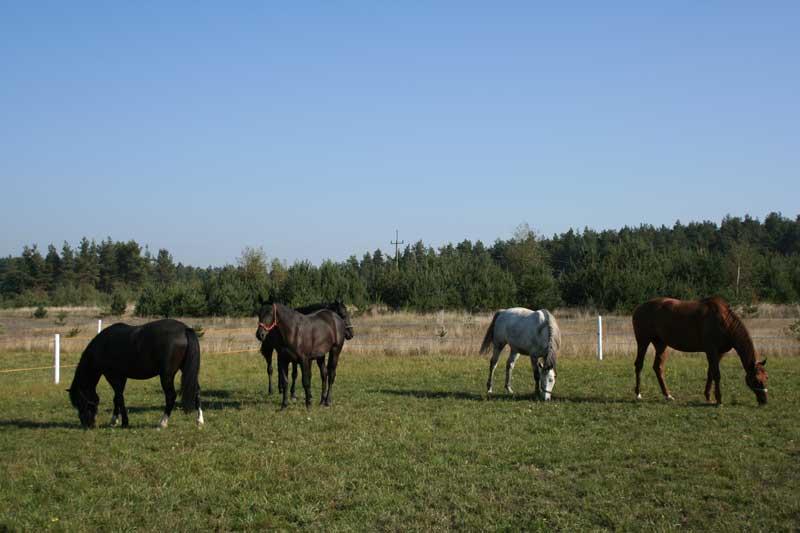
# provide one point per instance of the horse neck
(282, 314)
(742, 342)
(86, 376)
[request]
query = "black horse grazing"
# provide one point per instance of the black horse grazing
(304, 338)
(273, 341)
(119, 352)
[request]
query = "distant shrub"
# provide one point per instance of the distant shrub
(73, 332)
(182, 299)
(118, 303)
(61, 318)
(794, 329)
(198, 329)
(40, 312)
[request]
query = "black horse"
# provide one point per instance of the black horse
(119, 352)
(304, 338)
(273, 341)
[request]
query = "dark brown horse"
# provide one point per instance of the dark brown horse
(708, 326)
(273, 341)
(305, 338)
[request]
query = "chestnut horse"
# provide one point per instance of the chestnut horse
(707, 325)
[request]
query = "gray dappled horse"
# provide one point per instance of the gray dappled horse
(531, 333)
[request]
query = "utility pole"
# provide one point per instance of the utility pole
(397, 242)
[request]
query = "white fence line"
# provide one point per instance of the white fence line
(57, 360)
(604, 339)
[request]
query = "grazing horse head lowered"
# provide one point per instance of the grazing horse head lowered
(121, 352)
(707, 325)
(532, 333)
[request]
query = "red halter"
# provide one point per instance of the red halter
(274, 320)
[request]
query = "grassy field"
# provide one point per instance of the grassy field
(410, 444)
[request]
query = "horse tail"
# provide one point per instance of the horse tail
(488, 339)
(553, 340)
(190, 387)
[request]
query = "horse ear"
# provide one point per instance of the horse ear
(764, 362)
(540, 363)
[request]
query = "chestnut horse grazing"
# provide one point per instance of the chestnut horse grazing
(707, 325)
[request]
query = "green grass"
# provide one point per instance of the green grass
(410, 444)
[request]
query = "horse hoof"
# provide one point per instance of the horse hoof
(114, 421)
(509, 390)
(669, 398)
(639, 396)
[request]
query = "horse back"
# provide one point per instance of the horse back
(685, 325)
(521, 328)
(321, 331)
(141, 352)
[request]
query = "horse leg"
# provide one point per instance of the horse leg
(641, 350)
(658, 368)
(200, 420)
(294, 380)
(306, 370)
(709, 378)
(283, 369)
(713, 368)
(492, 364)
(333, 362)
(323, 376)
(118, 385)
(512, 360)
(268, 357)
(168, 385)
(535, 365)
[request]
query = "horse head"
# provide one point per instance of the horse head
(86, 402)
(267, 319)
(756, 378)
(340, 309)
(547, 380)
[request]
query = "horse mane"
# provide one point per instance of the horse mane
(553, 340)
(742, 342)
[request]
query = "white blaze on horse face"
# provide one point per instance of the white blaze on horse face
(547, 380)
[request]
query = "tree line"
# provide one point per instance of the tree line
(742, 259)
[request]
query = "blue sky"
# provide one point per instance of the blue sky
(314, 129)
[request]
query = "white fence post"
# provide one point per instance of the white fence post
(599, 338)
(99, 325)
(57, 360)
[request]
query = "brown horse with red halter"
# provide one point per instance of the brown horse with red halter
(303, 339)
(707, 325)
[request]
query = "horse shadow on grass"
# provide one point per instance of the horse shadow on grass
(503, 397)
(455, 395)
(21, 423)
(210, 400)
